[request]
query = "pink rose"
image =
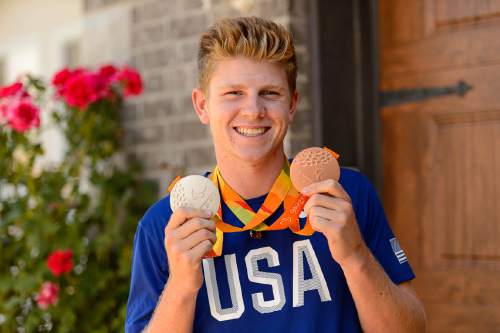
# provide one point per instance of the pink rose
(83, 89)
(48, 295)
(13, 90)
(60, 78)
(21, 114)
(3, 112)
(132, 81)
(108, 72)
(60, 261)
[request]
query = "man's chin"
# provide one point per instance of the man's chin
(257, 156)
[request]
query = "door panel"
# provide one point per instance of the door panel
(462, 231)
(442, 156)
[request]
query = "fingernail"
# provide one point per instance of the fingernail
(305, 190)
(207, 213)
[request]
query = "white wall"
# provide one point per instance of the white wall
(106, 36)
(32, 38)
(32, 33)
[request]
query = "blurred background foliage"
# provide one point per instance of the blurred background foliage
(89, 203)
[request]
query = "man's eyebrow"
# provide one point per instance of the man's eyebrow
(224, 87)
(231, 86)
(273, 87)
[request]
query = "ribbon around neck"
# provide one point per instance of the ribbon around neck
(282, 192)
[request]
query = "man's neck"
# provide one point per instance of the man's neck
(251, 179)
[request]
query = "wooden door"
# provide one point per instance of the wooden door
(442, 156)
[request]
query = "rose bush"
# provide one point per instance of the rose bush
(60, 261)
(21, 114)
(48, 295)
(66, 229)
(17, 108)
(13, 90)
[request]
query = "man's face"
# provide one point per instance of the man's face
(248, 106)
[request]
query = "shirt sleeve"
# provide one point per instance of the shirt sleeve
(148, 278)
(381, 240)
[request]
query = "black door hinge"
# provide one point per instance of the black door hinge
(389, 98)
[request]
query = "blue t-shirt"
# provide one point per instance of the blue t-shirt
(282, 282)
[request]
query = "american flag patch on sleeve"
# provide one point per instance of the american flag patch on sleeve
(398, 251)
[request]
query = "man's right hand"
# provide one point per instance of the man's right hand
(188, 236)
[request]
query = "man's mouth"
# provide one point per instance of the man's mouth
(251, 131)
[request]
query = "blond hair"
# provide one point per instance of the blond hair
(251, 37)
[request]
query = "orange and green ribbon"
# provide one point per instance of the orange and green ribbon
(282, 192)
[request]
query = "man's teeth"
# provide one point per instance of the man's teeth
(251, 131)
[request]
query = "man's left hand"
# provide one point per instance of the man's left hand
(330, 212)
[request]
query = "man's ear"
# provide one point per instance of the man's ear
(294, 101)
(200, 105)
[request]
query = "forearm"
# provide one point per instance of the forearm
(382, 306)
(174, 312)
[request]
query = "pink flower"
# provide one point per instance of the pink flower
(132, 81)
(13, 90)
(60, 78)
(83, 89)
(60, 261)
(21, 114)
(108, 72)
(3, 112)
(48, 295)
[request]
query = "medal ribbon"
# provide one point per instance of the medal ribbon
(282, 191)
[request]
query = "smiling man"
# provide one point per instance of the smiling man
(351, 275)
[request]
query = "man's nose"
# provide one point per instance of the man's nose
(253, 107)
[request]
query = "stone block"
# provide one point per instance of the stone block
(159, 108)
(149, 10)
(146, 134)
(302, 86)
(222, 11)
(156, 161)
(185, 104)
(191, 4)
(299, 8)
(186, 26)
(272, 8)
(155, 58)
(130, 111)
(303, 111)
(302, 59)
(106, 35)
(153, 83)
(176, 79)
(299, 143)
(188, 51)
(217, 3)
(93, 5)
(300, 30)
(190, 74)
(178, 132)
(149, 34)
(200, 156)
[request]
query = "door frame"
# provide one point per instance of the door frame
(345, 79)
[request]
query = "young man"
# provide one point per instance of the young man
(349, 276)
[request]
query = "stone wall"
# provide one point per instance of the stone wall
(162, 129)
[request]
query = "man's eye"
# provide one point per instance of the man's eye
(270, 92)
(234, 92)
